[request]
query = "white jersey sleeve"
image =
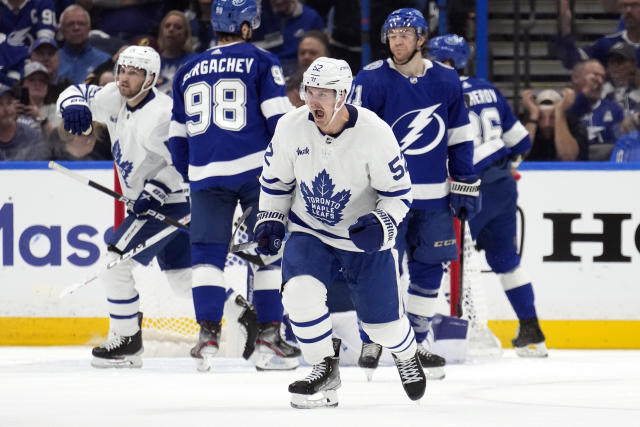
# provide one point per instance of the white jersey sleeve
(278, 180)
(104, 102)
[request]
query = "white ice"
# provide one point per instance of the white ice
(56, 386)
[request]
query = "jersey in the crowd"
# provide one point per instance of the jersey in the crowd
(627, 97)
(138, 136)
(226, 102)
(627, 148)
(12, 60)
(497, 131)
(429, 119)
(602, 119)
(326, 182)
(34, 19)
(168, 69)
(570, 54)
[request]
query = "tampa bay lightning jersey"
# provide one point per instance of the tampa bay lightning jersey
(138, 136)
(602, 118)
(12, 60)
(497, 131)
(429, 119)
(226, 102)
(33, 19)
(326, 182)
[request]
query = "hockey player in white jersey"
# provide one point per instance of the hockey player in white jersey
(335, 174)
(422, 101)
(138, 118)
(226, 102)
(499, 144)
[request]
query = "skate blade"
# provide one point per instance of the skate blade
(533, 350)
(133, 361)
(324, 399)
(205, 362)
(436, 373)
(268, 361)
(368, 372)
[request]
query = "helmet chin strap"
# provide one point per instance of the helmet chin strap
(338, 105)
(393, 58)
(141, 91)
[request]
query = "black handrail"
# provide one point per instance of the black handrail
(525, 30)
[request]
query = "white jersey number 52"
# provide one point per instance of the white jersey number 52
(224, 103)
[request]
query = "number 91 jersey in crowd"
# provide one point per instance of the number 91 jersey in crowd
(497, 131)
(226, 102)
(430, 121)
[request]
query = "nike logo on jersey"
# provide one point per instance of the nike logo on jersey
(412, 130)
(320, 200)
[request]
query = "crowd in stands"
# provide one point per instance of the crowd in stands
(47, 45)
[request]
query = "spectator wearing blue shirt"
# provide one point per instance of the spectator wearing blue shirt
(621, 84)
(174, 46)
(602, 117)
(78, 58)
(20, 139)
(283, 23)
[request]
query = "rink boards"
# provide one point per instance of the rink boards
(581, 246)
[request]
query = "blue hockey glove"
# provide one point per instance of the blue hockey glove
(464, 199)
(151, 197)
(269, 232)
(372, 231)
(76, 116)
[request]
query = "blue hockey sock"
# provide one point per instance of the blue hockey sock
(522, 301)
(208, 302)
(268, 304)
(420, 325)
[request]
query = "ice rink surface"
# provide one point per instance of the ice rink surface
(56, 386)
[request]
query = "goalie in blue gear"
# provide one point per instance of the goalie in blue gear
(499, 143)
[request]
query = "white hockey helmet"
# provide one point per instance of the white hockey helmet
(143, 57)
(328, 73)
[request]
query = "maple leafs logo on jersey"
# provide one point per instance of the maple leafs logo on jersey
(320, 200)
(124, 167)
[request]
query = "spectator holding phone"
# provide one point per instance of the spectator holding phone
(34, 88)
(19, 138)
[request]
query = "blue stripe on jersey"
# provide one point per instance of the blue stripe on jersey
(124, 301)
(393, 193)
(277, 192)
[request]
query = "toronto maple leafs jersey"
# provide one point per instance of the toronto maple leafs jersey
(429, 119)
(326, 182)
(226, 102)
(34, 19)
(138, 136)
(497, 131)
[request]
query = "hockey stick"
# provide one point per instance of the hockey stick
(133, 252)
(238, 249)
(157, 215)
(463, 230)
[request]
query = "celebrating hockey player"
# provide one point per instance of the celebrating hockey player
(500, 141)
(226, 102)
(138, 118)
(422, 102)
(335, 173)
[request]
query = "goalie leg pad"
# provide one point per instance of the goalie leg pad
(304, 297)
(397, 336)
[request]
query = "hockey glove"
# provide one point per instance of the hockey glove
(76, 116)
(464, 199)
(372, 231)
(152, 197)
(269, 232)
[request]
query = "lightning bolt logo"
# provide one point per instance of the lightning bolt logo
(416, 127)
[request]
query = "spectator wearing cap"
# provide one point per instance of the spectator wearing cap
(555, 134)
(77, 57)
(12, 60)
(45, 51)
(620, 86)
(19, 138)
(174, 46)
(602, 117)
(36, 82)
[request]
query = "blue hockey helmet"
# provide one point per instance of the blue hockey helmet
(401, 18)
(227, 16)
(450, 46)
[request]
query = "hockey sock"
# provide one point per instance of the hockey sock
(208, 302)
(268, 304)
(363, 335)
(522, 301)
(420, 325)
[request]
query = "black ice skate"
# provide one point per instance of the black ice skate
(412, 376)
(272, 352)
(323, 382)
(208, 344)
(369, 358)
(529, 340)
(249, 321)
(120, 351)
(431, 363)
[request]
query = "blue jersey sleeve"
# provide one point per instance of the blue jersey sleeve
(460, 137)
(178, 144)
(273, 96)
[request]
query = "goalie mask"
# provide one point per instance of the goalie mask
(328, 73)
(144, 58)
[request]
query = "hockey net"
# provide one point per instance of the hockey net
(481, 342)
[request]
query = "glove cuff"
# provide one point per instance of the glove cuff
(73, 100)
(264, 216)
(389, 229)
(471, 189)
(158, 190)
